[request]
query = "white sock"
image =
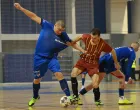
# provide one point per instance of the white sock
(122, 97)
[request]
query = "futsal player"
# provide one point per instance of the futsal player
(51, 41)
(94, 45)
(85, 73)
(107, 66)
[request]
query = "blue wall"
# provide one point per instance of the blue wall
(100, 15)
(18, 68)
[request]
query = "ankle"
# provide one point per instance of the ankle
(122, 97)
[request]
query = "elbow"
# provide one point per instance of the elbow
(73, 43)
(112, 51)
(33, 16)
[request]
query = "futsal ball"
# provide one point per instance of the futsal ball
(64, 101)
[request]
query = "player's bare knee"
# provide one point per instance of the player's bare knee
(122, 84)
(95, 85)
(37, 81)
(73, 74)
(59, 75)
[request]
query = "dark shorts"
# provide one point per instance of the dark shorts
(84, 72)
(106, 64)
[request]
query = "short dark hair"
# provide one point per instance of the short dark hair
(61, 23)
(95, 31)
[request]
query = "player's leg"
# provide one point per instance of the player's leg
(75, 72)
(54, 66)
(94, 85)
(92, 70)
(122, 99)
(133, 74)
(102, 74)
(78, 69)
(83, 79)
(39, 72)
(87, 88)
(96, 91)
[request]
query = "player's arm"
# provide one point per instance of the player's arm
(77, 47)
(78, 38)
(109, 49)
(122, 63)
(129, 65)
(72, 43)
(30, 14)
(114, 56)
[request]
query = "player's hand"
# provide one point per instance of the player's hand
(85, 52)
(117, 66)
(17, 6)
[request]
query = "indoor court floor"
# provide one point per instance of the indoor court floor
(15, 96)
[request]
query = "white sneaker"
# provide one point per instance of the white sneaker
(124, 101)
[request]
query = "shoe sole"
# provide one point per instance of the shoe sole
(126, 104)
(80, 104)
(100, 105)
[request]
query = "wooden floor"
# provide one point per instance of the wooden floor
(16, 96)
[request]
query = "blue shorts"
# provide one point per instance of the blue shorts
(41, 65)
(106, 64)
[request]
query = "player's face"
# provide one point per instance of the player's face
(58, 29)
(137, 48)
(95, 39)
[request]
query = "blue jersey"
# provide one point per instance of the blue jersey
(124, 53)
(49, 44)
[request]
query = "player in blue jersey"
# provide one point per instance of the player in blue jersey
(51, 41)
(107, 66)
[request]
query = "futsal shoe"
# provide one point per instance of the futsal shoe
(32, 101)
(71, 98)
(79, 101)
(98, 103)
(75, 100)
(124, 102)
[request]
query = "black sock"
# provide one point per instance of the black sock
(96, 92)
(83, 91)
(74, 84)
(36, 88)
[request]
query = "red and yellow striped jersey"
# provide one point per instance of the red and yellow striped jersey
(93, 51)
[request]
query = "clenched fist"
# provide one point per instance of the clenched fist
(17, 6)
